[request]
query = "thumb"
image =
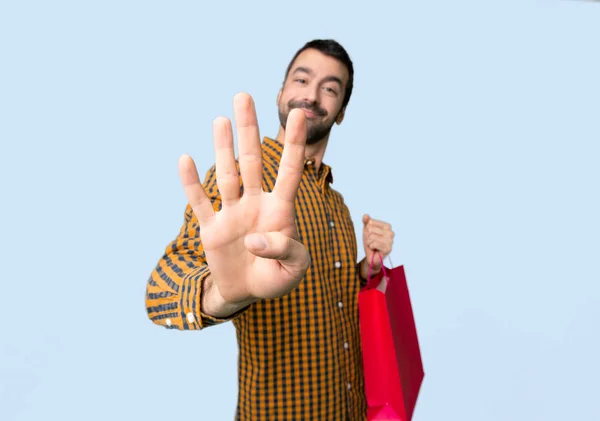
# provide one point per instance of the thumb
(366, 219)
(292, 254)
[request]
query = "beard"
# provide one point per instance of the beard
(315, 132)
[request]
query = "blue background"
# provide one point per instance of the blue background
(473, 129)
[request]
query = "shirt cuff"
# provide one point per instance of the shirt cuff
(193, 317)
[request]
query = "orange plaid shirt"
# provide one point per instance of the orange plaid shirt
(300, 355)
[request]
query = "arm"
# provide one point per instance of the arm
(249, 237)
(180, 293)
(378, 237)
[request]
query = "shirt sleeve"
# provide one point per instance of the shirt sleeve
(174, 287)
(362, 281)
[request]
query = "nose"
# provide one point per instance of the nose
(311, 94)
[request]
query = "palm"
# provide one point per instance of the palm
(229, 258)
(240, 269)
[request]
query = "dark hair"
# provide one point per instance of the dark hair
(330, 48)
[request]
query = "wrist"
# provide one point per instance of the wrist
(364, 269)
(214, 305)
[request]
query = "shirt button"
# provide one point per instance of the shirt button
(340, 304)
(190, 317)
(168, 322)
(349, 386)
(338, 265)
(308, 162)
(331, 223)
(346, 345)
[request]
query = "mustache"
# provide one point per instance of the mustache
(308, 106)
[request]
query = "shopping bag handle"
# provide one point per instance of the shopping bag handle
(382, 268)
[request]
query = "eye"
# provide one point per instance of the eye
(330, 90)
(300, 80)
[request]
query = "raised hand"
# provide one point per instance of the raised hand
(251, 244)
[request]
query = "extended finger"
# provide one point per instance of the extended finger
(227, 174)
(194, 191)
(250, 152)
(292, 159)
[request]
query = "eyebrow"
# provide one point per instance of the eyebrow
(331, 78)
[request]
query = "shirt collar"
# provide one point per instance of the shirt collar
(275, 149)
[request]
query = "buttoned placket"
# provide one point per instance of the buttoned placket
(337, 267)
(337, 259)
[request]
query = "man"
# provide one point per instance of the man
(269, 245)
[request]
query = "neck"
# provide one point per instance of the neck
(316, 151)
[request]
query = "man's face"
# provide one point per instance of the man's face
(316, 83)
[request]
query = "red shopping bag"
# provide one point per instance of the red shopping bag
(393, 370)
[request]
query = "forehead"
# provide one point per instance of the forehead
(320, 65)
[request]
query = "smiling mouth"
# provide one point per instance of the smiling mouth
(310, 114)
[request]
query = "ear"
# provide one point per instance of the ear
(340, 116)
(279, 96)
